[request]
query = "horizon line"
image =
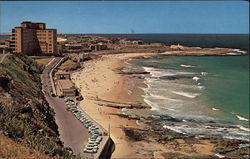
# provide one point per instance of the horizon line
(9, 33)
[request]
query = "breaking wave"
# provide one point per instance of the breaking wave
(240, 51)
(185, 94)
(182, 65)
(195, 78)
(183, 100)
(215, 109)
(156, 72)
(242, 118)
(243, 128)
(204, 73)
(236, 132)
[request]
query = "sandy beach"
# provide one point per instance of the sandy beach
(99, 80)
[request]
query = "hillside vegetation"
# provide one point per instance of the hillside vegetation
(11, 150)
(25, 115)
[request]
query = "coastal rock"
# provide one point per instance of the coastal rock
(174, 155)
(226, 145)
(119, 105)
(134, 134)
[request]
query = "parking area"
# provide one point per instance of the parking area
(97, 135)
(72, 133)
(77, 130)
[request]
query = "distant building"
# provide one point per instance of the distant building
(97, 47)
(4, 46)
(72, 47)
(125, 42)
(60, 39)
(60, 48)
(137, 42)
(33, 38)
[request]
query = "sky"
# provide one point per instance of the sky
(130, 16)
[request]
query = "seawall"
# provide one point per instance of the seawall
(108, 149)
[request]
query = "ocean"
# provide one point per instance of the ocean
(209, 95)
(240, 41)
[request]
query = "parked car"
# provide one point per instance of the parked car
(89, 150)
(94, 140)
(93, 137)
(91, 146)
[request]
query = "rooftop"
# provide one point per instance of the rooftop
(60, 72)
(66, 84)
(32, 22)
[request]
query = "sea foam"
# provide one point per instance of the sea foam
(153, 106)
(182, 65)
(156, 72)
(204, 73)
(185, 94)
(173, 129)
(195, 78)
(214, 109)
(243, 128)
(219, 155)
(240, 51)
(242, 118)
(231, 53)
(123, 109)
(163, 97)
(137, 122)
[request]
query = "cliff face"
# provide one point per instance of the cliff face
(25, 114)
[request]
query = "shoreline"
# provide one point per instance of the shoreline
(114, 88)
(99, 80)
(98, 72)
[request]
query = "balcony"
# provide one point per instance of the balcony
(12, 46)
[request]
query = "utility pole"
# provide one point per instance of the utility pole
(109, 130)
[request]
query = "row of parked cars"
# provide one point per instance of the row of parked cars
(94, 130)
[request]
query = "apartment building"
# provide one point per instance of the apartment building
(33, 38)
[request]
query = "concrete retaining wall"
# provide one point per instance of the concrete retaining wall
(107, 150)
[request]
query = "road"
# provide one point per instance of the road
(72, 133)
(2, 59)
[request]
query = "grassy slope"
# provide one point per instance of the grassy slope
(11, 150)
(25, 115)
